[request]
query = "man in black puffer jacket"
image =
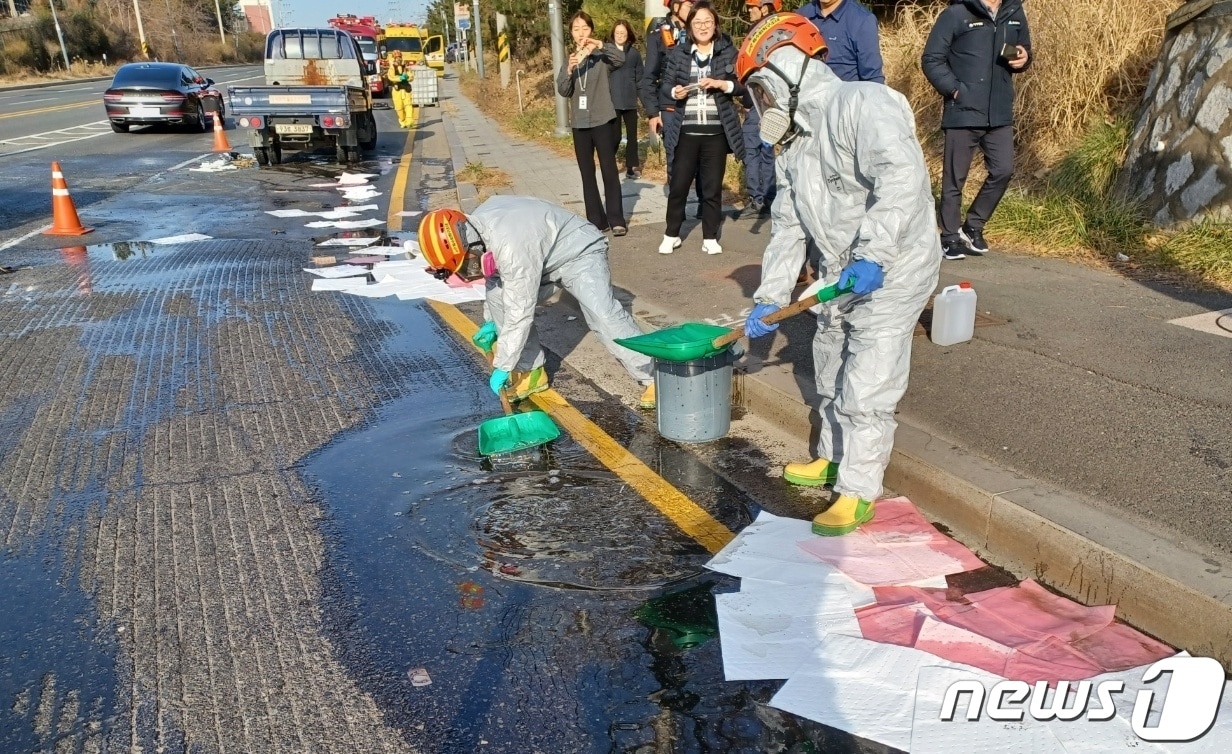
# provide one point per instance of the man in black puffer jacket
(970, 58)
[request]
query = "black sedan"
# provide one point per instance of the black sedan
(147, 93)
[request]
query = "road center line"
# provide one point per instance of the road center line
(397, 195)
(671, 502)
(36, 111)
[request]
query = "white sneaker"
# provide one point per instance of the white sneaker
(711, 246)
(669, 244)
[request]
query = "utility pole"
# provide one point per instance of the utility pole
(60, 35)
(221, 33)
(145, 49)
(175, 38)
(558, 60)
(478, 40)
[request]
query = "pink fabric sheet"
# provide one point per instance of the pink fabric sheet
(1022, 633)
(898, 546)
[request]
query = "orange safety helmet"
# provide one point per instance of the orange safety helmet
(442, 239)
(774, 32)
(776, 4)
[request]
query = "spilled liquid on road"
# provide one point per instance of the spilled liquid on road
(532, 591)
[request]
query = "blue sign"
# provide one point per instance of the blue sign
(464, 23)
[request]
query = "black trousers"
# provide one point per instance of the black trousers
(601, 140)
(705, 157)
(629, 118)
(997, 144)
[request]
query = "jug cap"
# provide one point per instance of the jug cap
(964, 284)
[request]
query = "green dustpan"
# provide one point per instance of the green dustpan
(515, 432)
(694, 340)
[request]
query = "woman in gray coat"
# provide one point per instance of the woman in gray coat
(584, 80)
(624, 94)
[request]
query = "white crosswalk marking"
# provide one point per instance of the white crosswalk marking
(32, 142)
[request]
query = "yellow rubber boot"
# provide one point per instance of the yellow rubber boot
(844, 517)
(526, 383)
(648, 397)
(812, 474)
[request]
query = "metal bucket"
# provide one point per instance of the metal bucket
(693, 398)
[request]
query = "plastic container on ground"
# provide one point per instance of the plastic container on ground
(954, 315)
(693, 398)
(424, 86)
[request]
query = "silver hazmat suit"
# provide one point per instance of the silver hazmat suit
(853, 181)
(538, 246)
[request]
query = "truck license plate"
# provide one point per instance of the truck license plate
(293, 128)
(290, 99)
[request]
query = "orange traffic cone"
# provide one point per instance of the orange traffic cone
(64, 220)
(220, 136)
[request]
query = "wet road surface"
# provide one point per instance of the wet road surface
(236, 515)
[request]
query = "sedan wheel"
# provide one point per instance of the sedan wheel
(120, 128)
(202, 127)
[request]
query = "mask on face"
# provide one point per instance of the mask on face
(777, 124)
(488, 261)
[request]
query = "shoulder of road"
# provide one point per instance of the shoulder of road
(1081, 438)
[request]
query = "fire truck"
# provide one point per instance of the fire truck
(368, 33)
(418, 47)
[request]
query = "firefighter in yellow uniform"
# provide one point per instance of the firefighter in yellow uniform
(400, 77)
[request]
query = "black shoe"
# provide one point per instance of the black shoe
(630, 175)
(954, 250)
(975, 240)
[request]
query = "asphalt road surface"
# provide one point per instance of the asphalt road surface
(237, 515)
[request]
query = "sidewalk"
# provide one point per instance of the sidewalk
(1081, 438)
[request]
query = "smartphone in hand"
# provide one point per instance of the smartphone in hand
(1009, 51)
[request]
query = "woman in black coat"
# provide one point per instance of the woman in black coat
(624, 82)
(699, 80)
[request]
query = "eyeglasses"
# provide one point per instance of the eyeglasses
(702, 24)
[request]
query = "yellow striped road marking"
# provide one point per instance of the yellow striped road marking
(49, 109)
(397, 196)
(671, 502)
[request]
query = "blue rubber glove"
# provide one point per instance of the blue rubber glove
(498, 380)
(865, 276)
(485, 338)
(753, 326)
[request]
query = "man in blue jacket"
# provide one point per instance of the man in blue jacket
(970, 58)
(850, 30)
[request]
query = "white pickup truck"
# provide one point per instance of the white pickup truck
(316, 95)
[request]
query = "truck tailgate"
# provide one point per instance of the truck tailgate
(296, 100)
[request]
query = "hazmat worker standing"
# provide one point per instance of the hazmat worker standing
(851, 179)
(526, 247)
(400, 77)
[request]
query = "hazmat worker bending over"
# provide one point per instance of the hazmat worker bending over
(851, 179)
(400, 77)
(527, 247)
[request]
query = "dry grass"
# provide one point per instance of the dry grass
(485, 179)
(80, 70)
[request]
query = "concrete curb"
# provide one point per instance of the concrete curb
(1033, 529)
(468, 195)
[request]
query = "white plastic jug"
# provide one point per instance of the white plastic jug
(954, 314)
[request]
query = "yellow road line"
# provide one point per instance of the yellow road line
(50, 109)
(397, 195)
(671, 502)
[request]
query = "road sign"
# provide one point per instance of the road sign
(461, 11)
(464, 23)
